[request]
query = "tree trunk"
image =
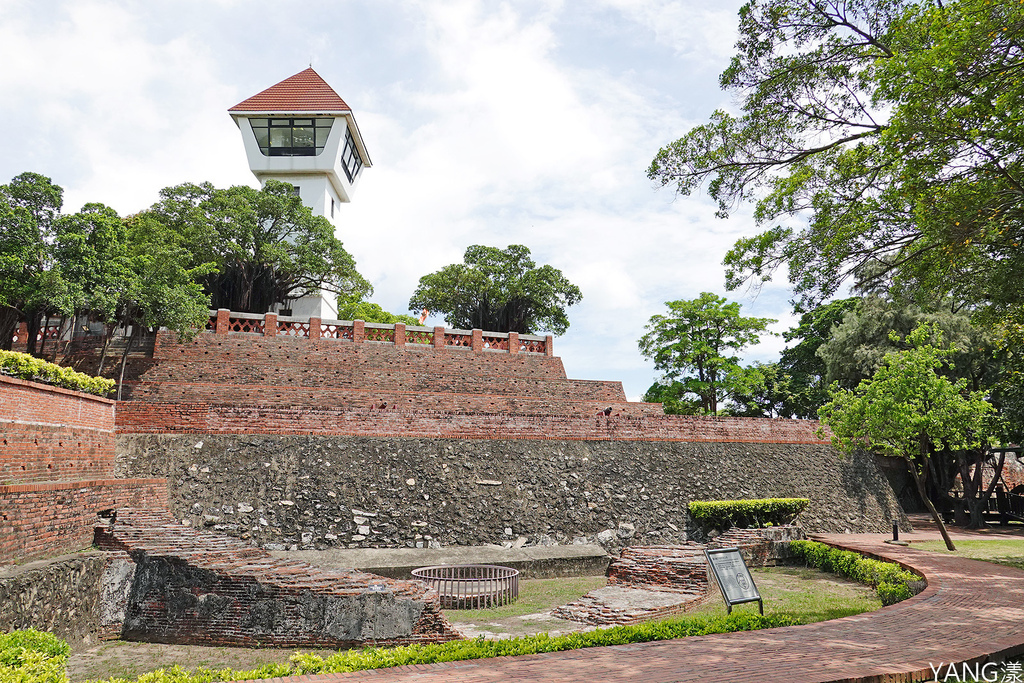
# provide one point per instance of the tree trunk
(924, 496)
(124, 359)
(108, 332)
(9, 318)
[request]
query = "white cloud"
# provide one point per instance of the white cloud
(488, 123)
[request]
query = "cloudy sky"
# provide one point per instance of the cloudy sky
(528, 122)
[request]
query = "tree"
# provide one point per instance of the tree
(695, 346)
(801, 363)
(767, 391)
(498, 290)
(266, 245)
(908, 410)
(893, 127)
(858, 344)
(373, 313)
(29, 286)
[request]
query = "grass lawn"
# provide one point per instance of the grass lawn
(1002, 551)
(806, 594)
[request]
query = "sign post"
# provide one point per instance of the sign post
(733, 578)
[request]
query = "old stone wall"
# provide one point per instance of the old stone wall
(313, 492)
(62, 595)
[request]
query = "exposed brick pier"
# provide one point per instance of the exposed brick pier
(969, 611)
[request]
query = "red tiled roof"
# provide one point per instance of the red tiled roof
(305, 91)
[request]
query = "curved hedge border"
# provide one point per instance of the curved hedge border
(378, 658)
(757, 513)
(892, 582)
(28, 367)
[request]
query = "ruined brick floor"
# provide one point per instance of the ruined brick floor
(969, 610)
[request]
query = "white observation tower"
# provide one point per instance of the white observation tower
(301, 132)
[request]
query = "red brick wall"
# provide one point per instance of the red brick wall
(133, 418)
(44, 519)
(248, 369)
(49, 433)
(57, 470)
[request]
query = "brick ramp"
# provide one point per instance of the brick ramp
(970, 610)
(193, 587)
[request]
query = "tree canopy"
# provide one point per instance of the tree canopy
(501, 290)
(266, 246)
(893, 127)
(908, 410)
(695, 347)
(29, 207)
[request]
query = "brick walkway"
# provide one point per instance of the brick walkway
(970, 610)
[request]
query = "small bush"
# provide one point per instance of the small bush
(24, 366)
(890, 581)
(723, 514)
(32, 656)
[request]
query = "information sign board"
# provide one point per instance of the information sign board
(733, 577)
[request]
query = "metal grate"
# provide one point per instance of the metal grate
(471, 586)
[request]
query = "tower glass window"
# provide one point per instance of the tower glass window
(350, 159)
(291, 137)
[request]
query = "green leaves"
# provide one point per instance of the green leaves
(498, 290)
(894, 129)
(265, 246)
(893, 583)
(691, 347)
(906, 401)
(724, 514)
(28, 367)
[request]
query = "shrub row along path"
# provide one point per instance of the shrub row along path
(969, 610)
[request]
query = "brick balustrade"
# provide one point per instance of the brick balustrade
(223, 321)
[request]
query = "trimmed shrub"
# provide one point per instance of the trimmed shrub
(892, 583)
(32, 656)
(746, 514)
(24, 366)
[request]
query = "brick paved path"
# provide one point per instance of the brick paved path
(969, 610)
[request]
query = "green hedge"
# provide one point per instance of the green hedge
(723, 514)
(31, 368)
(456, 650)
(892, 582)
(33, 657)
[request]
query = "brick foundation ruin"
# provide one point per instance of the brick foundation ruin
(193, 587)
(657, 582)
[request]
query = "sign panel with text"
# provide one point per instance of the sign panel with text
(733, 577)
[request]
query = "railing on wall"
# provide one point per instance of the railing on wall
(224, 321)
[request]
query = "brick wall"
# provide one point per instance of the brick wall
(45, 519)
(57, 470)
(156, 418)
(249, 369)
(48, 433)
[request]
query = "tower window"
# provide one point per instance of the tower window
(291, 137)
(350, 159)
